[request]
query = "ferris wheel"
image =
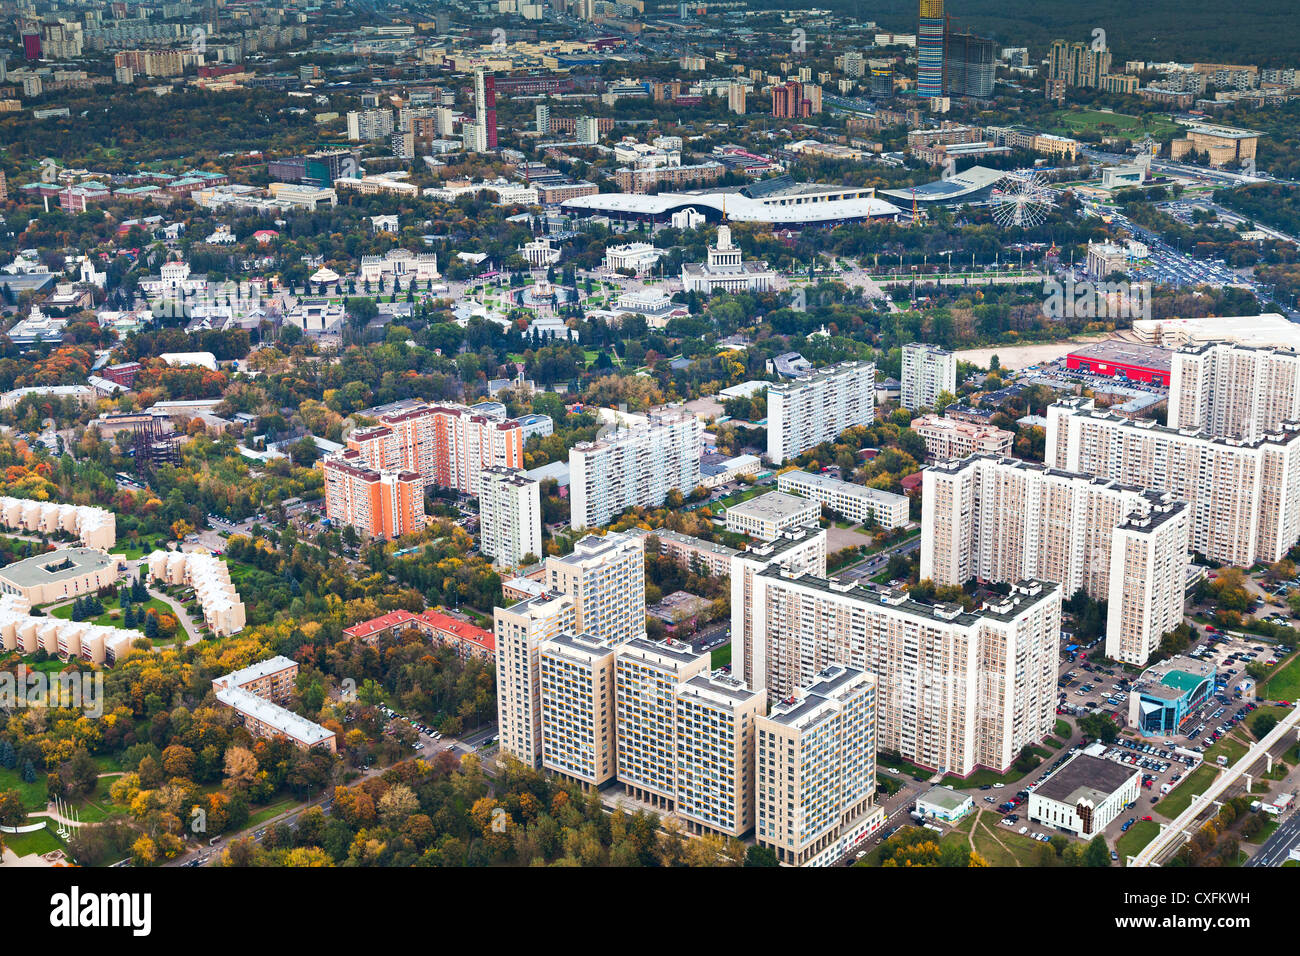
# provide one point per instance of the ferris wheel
(1021, 199)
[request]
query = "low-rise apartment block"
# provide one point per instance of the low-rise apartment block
(258, 693)
(855, 502)
(768, 516)
(947, 438)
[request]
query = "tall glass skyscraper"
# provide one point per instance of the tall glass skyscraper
(929, 49)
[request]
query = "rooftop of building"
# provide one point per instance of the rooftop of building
(670, 651)
(946, 798)
(814, 376)
(1088, 778)
(1285, 434)
(773, 506)
(1126, 353)
(843, 487)
(57, 566)
(1023, 594)
(257, 671)
(274, 716)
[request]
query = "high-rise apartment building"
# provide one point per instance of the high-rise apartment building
(957, 689)
(509, 516)
(646, 676)
(815, 778)
(485, 111)
(1078, 64)
(930, 30)
(520, 631)
(818, 406)
(605, 579)
(802, 551)
(367, 126)
(543, 119)
(927, 371)
(789, 102)
(736, 97)
(577, 704)
(383, 502)
(1244, 496)
(448, 445)
(715, 717)
(634, 466)
(970, 65)
(1233, 391)
(1006, 520)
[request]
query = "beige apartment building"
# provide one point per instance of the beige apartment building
(714, 730)
(1233, 391)
(947, 438)
(957, 689)
(605, 579)
(691, 553)
(1243, 496)
(520, 631)
(646, 677)
(815, 778)
(257, 694)
(1002, 519)
(577, 697)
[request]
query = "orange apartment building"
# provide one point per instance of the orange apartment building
(447, 445)
(383, 503)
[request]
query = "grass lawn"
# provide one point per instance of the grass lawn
(1069, 122)
(38, 841)
(1062, 728)
(1018, 850)
(1230, 747)
(1283, 683)
(982, 778)
(267, 812)
(33, 795)
(720, 656)
(1264, 833)
(129, 550)
(894, 762)
(1180, 798)
(1138, 836)
(1053, 743)
(112, 616)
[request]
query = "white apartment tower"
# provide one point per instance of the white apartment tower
(1233, 391)
(815, 780)
(605, 580)
(817, 407)
(510, 516)
(927, 371)
(1243, 495)
(1002, 519)
(957, 690)
(634, 466)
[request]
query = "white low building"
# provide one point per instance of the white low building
(94, 527)
(855, 502)
(768, 515)
(223, 611)
(637, 257)
(1085, 795)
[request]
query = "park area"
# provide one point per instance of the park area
(1104, 122)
